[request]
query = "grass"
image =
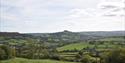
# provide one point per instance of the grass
(80, 46)
(22, 60)
(77, 46)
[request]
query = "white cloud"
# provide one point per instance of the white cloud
(78, 13)
(112, 8)
(56, 15)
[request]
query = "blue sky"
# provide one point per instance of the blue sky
(58, 15)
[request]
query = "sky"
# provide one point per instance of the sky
(33, 16)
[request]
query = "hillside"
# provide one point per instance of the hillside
(64, 36)
(59, 47)
(77, 36)
(101, 43)
(104, 33)
(14, 34)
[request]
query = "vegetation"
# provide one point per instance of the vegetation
(114, 56)
(6, 52)
(50, 48)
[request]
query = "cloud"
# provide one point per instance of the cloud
(56, 15)
(112, 8)
(78, 13)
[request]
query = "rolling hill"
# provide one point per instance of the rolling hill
(69, 36)
(65, 36)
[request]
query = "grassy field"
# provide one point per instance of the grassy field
(22, 60)
(80, 46)
(71, 55)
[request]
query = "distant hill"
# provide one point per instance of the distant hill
(59, 36)
(105, 33)
(89, 33)
(77, 36)
(9, 33)
(14, 35)
(65, 36)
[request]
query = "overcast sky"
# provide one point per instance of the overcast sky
(59, 15)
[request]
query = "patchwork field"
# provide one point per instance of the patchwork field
(107, 43)
(80, 46)
(37, 50)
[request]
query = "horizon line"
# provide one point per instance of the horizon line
(63, 31)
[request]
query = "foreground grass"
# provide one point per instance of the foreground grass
(22, 60)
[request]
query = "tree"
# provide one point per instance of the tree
(5, 52)
(87, 59)
(114, 56)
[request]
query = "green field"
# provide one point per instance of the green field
(80, 46)
(22, 60)
(36, 50)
